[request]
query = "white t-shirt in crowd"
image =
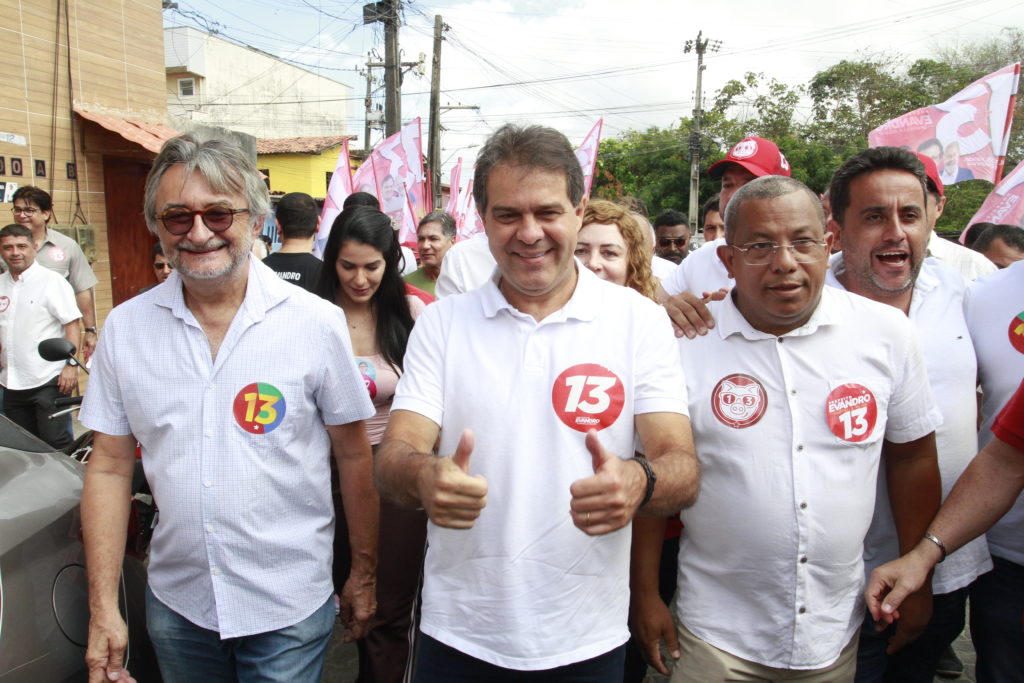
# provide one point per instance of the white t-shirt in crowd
(524, 588)
(701, 271)
(995, 317)
(465, 266)
(789, 432)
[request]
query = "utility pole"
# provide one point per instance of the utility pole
(700, 47)
(386, 12)
(369, 104)
(434, 144)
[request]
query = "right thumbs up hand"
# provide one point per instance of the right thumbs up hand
(451, 497)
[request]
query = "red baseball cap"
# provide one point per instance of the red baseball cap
(757, 155)
(933, 174)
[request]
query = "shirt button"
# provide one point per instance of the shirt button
(780, 340)
(207, 484)
(803, 506)
(209, 528)
(216, 572)
(802, 610)
(800, 447)
(211, 385)
(792, 392)
(803, 560)
(208, 432)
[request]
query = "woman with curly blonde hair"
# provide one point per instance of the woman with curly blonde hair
(611, 244)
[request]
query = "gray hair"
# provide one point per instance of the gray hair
(442, 218)
(537, 147)
(767, 187)
(221, 163)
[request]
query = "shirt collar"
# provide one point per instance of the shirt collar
(582, 305)
(729, 320)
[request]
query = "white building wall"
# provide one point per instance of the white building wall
(250, 91)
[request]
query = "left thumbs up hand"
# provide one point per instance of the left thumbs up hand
(607, 500)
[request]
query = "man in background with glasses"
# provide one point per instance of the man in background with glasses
(671, 235)
(882, 220)
(236, 452)
(33, 208)
(793, 396)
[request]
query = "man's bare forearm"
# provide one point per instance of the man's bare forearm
(397, 469)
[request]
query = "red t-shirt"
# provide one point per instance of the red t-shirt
(1009, 425)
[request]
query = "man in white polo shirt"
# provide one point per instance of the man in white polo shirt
(793, 396)
(537, 384)
(35, 304)
(881, 219)
(702, 273)
(235, 451)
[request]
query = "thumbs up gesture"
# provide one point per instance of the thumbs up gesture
(451, 497)
(608, 500)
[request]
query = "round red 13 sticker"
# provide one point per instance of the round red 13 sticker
(851, 412)
(588, 396)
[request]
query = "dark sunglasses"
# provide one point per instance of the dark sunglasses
(217, 219)
(163, 266)
(670, 241)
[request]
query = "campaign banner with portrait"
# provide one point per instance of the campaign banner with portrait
(967, 135)
(1005, 204)
(393, 173)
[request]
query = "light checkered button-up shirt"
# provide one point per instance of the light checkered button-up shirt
(235, 447)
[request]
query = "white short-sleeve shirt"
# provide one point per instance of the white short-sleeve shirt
(34, 307)
(235, 448)
(61, 254)
(995, 316)
(466, 266)
(701, 271)
(789, 432)
(967, 262)
(524, 588)
(936, 312)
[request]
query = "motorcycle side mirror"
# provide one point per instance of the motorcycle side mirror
(56, 349)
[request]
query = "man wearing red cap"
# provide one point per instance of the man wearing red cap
(952, 254)
(883, 210)
(702, 273)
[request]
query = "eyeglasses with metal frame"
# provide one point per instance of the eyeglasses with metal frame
(762, 253)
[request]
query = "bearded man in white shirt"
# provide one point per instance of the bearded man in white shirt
(236, 453)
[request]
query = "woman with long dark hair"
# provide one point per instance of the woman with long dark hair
(362, 273)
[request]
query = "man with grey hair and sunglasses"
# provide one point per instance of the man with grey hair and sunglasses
(793, 396)
(237, 453)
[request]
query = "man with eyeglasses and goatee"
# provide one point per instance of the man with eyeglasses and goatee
(33, 208)
(794, 395)
(237, 453)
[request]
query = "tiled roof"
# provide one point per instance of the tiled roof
(297, 145)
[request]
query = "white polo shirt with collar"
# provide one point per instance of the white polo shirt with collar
(524, 588)
(235, 447)
(701, 271)
(34, 307)
(995, 317)
(936, 312)
(789, 432)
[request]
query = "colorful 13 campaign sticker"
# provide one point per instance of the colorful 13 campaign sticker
(851, 412)
(259, 408)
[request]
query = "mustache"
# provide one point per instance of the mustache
(210, 244)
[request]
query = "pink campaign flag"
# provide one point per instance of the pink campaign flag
(339, 188)
(453, 187)
(967, 135)
(1005, 204)
(586, 153)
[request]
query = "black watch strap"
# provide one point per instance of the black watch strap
(652, 479)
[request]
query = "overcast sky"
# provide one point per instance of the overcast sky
(567, 63)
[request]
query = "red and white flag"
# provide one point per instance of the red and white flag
(967, 135)
(586, 154)
(1005, 204)
(339, 188)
